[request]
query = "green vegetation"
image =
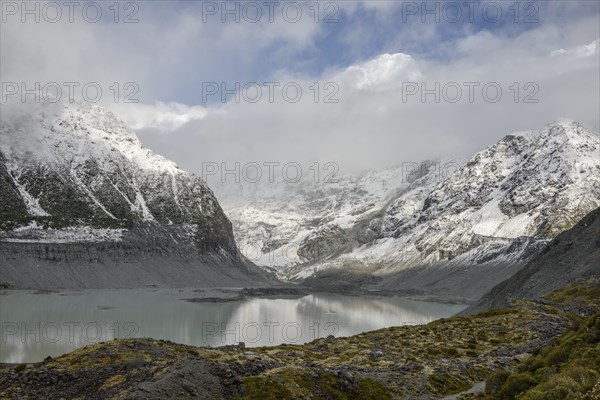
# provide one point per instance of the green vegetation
(20, 367)
(567, 369)
(448, 384)
(295, 383)
(578, 292)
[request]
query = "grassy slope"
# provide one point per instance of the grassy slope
(566, 369)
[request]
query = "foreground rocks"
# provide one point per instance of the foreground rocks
(434, 361)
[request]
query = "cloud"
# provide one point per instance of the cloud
(372, 125)
(168, 53)
(363, 62)
(586, 50)
(385, 72)
(164, 117)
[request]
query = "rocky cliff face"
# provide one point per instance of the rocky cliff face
(73, 174)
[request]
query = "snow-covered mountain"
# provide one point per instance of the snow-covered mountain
(497, 209)
(74, 173)
(80, 165)
(274, 222)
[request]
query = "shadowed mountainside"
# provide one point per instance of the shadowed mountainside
(572, 256)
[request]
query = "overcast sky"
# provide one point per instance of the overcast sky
(369, 63)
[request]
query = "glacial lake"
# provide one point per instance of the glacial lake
(35, 325)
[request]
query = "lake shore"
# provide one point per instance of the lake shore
(445, 357)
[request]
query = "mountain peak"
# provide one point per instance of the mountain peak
(75, 132)
(562, 122)
(557, 127)
(84, 156)
(565, 125)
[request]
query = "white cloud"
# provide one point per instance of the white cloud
(165, 117)
(386, 72)
(585, 50)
